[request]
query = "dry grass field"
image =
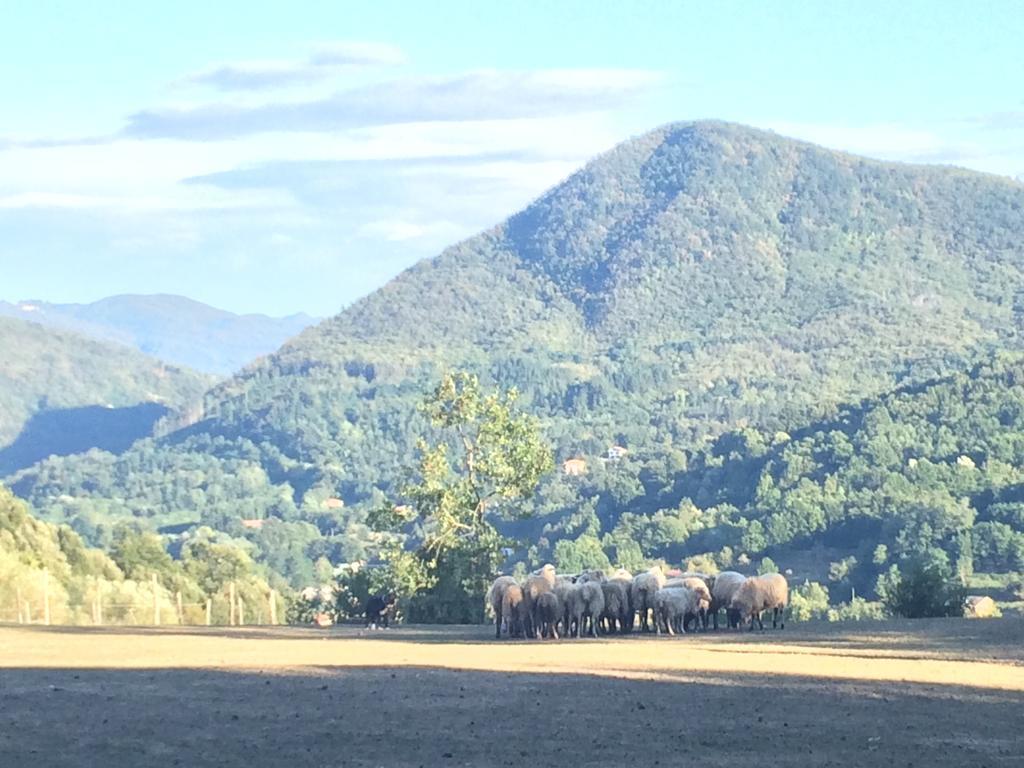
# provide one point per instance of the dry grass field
(926, 693)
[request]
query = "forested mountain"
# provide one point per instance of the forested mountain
(172, 328)
(63, 393)
(701, 283)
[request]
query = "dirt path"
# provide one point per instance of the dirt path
(919, 694)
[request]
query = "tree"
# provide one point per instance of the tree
(488, 456)
(925, 590)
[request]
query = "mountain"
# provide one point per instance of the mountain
(695, 282)
(63, 393)
(172, 328)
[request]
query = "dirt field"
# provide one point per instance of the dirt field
(931, 693)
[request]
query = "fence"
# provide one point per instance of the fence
(98, 607)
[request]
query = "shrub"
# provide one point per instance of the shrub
(926, 591)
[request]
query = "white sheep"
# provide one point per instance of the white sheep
(585, 604)
(723, 587)
(673, 605)
(495, 598)
(757, 594)
(645, 585)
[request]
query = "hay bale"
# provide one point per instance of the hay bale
(979, 607)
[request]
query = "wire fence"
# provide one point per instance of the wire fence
(151, 604)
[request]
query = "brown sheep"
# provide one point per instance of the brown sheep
(513, 608)
(495, 598)
(758, 594)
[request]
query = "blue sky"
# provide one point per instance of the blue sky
(283, 157)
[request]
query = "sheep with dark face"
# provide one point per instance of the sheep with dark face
(496, 599)
(758, 594)
(548, 613)
(378, 610)
(645, 585)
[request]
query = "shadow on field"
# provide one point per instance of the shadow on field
(413, 716)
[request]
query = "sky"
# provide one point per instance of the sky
(292, 157)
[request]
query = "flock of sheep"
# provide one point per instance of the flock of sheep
(550, 605)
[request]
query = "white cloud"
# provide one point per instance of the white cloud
(326, 60)
(482, 95)
(397, 230)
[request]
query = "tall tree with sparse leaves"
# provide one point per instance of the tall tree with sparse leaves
(487, 456)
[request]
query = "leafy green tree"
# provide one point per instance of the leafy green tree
(808, 601)
(488, 456)
(925, 590)
(582, 554)
(140, 554)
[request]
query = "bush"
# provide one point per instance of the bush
(858, 609)
(926, 591)
(808, 601)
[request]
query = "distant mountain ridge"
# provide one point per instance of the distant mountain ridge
(62, 392)
(172, 328)
(701, 280)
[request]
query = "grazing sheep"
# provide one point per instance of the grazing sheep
(496, 598)
(644, 587)
(699, 586)
(538, 583)
(723, 587)
(625, 578)
(563, 585)
(548, 613)
(585, 603)
(616, 606)
(674, 605)
(513, 608)
(757, 594)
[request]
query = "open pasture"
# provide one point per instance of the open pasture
(923, 693)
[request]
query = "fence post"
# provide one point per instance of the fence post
(209, 611)
(46, 596)
(156, 603)
(231, 600)
(273, 606)
(181, 613)
(28, 612)
(17, 597)
(241, 612)
(99, 602)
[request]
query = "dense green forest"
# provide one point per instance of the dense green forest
(61, 392)
(741, 312)
(172, 328)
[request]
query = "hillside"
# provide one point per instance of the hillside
(64, 393)
(700, 279)
(172, 328)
